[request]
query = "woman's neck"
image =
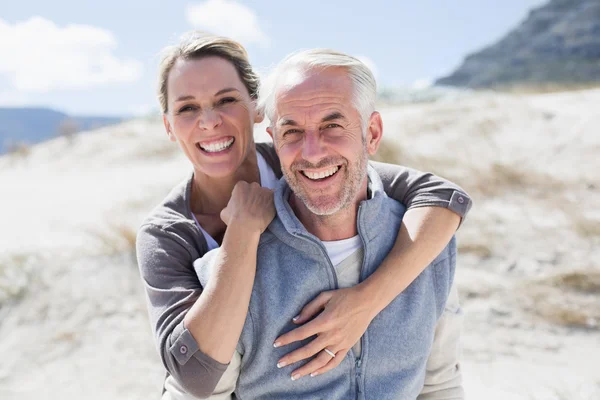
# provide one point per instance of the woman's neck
(210, 195)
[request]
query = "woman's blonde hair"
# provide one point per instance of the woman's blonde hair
(196, 45)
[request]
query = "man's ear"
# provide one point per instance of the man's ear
(167, 124)
(270, 132)
(374, 133)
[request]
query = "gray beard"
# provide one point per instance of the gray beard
(349, 191)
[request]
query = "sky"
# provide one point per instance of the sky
(101, 58)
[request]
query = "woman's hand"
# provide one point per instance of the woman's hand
(345, 316)
(250, 205)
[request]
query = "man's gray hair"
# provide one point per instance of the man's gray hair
(363, 81)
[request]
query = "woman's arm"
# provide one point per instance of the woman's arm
(435, 208)
(197, 331)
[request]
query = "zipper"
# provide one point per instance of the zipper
(324, 251)
(359, 385)
(358, 360)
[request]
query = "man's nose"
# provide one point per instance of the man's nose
(209, 119)
(313, 148)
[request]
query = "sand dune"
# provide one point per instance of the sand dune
(73, 321)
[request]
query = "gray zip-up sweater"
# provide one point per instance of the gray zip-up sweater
(293, 268)
(169, 241)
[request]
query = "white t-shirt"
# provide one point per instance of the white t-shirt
(339, 250)
(267, 179)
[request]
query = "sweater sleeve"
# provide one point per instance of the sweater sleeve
(165, 261)
(415, 189)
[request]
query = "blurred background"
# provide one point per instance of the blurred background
(503, 98)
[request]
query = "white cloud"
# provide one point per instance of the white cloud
(38, 56)
(12, 98)
(370, 64)
(228, 18)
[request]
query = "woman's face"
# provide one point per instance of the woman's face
(211, 115)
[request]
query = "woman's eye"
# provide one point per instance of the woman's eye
(186, 109)
(227, 100)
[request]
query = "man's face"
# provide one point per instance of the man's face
(319, 139)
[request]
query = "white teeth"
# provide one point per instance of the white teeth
(322, 174)
(216, 147)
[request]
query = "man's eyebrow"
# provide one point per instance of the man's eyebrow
(287, 122)
(333, 116)
(330, 117)
(220, 92)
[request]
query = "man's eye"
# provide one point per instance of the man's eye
(291, 132)
(331, 126)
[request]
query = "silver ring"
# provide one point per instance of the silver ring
(331, 353)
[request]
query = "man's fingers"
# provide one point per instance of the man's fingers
(313, 308)
(308, 350)
(333, 362)
(317, 363)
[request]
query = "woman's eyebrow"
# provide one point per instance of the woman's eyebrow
(185, 97)
(226, 90)
(220, 92)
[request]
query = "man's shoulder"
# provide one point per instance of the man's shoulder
(393, 206)
(268, 238)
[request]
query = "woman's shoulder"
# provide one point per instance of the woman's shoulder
(172, 221)
(173, 208)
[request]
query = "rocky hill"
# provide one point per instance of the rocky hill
(557, 45)
(30, 125)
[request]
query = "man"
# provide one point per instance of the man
(334, 226)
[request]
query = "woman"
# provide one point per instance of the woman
(208, 93)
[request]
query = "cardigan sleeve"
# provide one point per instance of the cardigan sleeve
(415, 189)
(165, 260)
(409, 186)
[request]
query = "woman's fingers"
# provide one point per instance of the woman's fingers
(333, 362)
(250, 205)
(313, 308)
(300, 333)
(318, 363)
(308, 350)
(344, 317)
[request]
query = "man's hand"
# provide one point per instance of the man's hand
(345, 316)
(251, 206)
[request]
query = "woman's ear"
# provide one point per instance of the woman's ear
(168, 128)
